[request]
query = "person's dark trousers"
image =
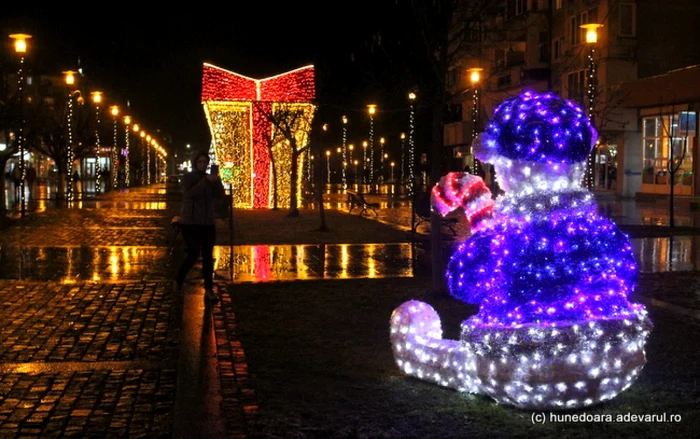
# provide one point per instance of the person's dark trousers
(198, 240)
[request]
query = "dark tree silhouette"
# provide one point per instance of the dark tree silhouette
(289, 121)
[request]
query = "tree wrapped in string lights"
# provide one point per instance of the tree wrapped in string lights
(555, 328)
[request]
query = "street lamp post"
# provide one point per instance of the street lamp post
(372, 109)
(345, 152)
(411, 145)
(591, 39)
(143, 140)
(364, 161)
(392, 171)
(403, 156)
(70, 81)
(114, 110)
(381, 156)
(21, 48)
(97, 100)
(351, 147)
(127, 136)
(475, 78)
(328, 166)
(147, 152)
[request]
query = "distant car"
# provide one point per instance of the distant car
(173, 179)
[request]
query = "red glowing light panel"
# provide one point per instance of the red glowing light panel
(223, 85)
(261, 157)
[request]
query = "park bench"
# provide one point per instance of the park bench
(357, 199)
(422, 212)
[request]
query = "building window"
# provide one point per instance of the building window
(662, 135)
(576, 85)
(576, 33)
(472, 32)
(544, 47)
(557, 4)
(520, 6)
(627, 20)
(556, 48)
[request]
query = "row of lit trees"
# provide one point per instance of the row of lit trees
(65, 129)
(366, 173)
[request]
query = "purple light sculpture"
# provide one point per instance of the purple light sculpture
(555, 328)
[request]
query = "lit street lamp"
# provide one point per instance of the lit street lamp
(114, 111)
(382, 155)
(475, 79)
(143, 140)
(392, 171)
(97, 100)
(371, 109)
(403, 155)
(591, 39)
(74, 93)
(345, 151)
(21, 49)
(127, 138)
(411, 145)
(147, 151)
(364, 161)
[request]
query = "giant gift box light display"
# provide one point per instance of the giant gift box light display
(238, 110)
(555, 329)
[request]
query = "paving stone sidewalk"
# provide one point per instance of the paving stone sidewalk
(87, 356)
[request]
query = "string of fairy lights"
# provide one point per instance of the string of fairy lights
(127, 164)
(345, 151)
(97, 98)
(590, 91)
(372, 110)
(70, 158)
(411, 144)
(114, 110)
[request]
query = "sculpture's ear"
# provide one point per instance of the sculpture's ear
(484, 148)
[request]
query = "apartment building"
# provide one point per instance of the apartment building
(541, 45)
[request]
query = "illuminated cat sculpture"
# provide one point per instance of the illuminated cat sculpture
(555, 329)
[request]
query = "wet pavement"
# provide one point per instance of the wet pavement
(94, 344)
(89, 327)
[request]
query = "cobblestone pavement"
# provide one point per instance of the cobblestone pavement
(83, 354)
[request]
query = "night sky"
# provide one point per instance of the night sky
(155, 62)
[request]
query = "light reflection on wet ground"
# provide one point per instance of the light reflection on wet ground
(73, 264)
(264, 263)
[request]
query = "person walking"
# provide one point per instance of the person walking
(31, 178)
(197, 221)
(17, 181)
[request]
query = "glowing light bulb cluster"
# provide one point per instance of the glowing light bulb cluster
(238, 110)
(540, 128)
(555, 329)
